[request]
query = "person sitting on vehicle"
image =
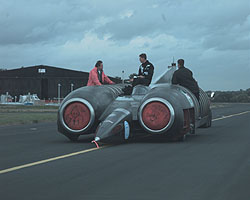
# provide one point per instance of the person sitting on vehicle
(144, 76)
(184, 77)
(97, 76)
(145, 73)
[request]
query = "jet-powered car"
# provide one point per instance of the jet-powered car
(161, 109)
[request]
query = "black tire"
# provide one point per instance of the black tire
(181, 138)
(209, 121)
(176, 138)
(73, 138)
(192, 129)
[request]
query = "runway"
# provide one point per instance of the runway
(212, 164)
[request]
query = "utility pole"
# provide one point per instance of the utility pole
(122, 76)
(59, 93)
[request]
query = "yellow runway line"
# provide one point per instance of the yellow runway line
(86, 151)
(48, 160)
(237, 114)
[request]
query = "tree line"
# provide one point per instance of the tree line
(241, 96)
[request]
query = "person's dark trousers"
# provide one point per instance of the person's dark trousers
(137, 81)
(140, 81)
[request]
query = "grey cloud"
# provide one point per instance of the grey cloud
(212, 36)
(38, 21)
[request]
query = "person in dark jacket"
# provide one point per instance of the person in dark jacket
(184, 77)
(144, 76)
(145, 73)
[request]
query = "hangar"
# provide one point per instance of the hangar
(43, 80)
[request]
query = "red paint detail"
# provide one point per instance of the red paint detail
(96, 144)
(156, 115)
(76, 115)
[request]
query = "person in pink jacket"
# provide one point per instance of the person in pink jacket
(97, 76)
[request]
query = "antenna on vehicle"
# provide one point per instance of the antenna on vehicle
(173, 64)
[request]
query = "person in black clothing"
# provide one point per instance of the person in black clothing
(145, 73)
(144, 76)
(184, 77)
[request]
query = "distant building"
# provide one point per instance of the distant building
(42, 80)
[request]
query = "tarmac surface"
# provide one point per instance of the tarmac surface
(36, 162)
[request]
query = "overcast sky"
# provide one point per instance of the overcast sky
(213, 36)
